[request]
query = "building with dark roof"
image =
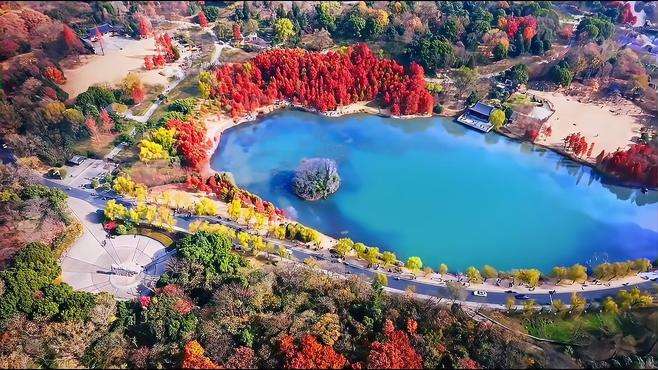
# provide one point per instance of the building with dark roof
(103, 29)
(477, 117)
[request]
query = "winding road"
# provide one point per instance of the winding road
(395, 282)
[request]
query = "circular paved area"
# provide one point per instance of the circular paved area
(126, 266)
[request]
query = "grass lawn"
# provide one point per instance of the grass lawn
(163, 238)
(573, 330)
(185, 89)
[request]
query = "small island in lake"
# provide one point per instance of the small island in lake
(316, 178)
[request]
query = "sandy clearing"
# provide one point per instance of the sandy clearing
(609, 127)
(122, 56)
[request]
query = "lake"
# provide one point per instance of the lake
(448, 194)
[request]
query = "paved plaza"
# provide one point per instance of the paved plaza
(126, 266)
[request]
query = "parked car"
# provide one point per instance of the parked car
(511, 292)
(479, 293)
(522, 297)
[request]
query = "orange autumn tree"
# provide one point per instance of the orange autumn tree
(193, 357)
(396, 352)
(310, 354)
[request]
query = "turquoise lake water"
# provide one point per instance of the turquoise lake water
(438, 190)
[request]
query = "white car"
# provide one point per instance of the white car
(479, 293)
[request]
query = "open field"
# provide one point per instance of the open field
(609, 127)
(122, 55)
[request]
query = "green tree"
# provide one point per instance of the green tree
(558, 306)
(500, 52)
(635, 298)
(414, 263)
(372, 255)
(449, 29)
(432, 53)
(529, 307)
(465, 78)
(354, 25)
(360, 249)
(641, 265)
(519, 74)
(213, 251)
(561, 74)
(510, 303)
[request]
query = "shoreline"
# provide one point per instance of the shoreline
(218, 124)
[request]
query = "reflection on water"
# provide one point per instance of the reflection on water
(444, 192)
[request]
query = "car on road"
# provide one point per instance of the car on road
(522, 297)
(479, 293)
(441, 284)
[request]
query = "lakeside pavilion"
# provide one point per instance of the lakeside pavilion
(477, 116)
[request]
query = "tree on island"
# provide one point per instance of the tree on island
(316, 178)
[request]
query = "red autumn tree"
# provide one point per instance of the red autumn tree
(92, 127)
(71, 39)
(515, 24)
(148, 63)
(159, 60)
(191, 142)
(107, 124)
(138, 94)
(203, 21)
(638, 164)
(144, 26)
(193, 357)
(237, 33)
(395, 352)
(322, 81)
(310, 354)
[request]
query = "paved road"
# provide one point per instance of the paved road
(402, 284)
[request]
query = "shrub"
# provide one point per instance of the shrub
(184, 106)
(316, 178)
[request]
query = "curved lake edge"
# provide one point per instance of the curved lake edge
(362, 108)
(257, 119)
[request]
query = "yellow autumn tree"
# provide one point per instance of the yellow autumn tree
(151, 151)
(165, 137)
(206, 207)
(114, 210)
(235, 209)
